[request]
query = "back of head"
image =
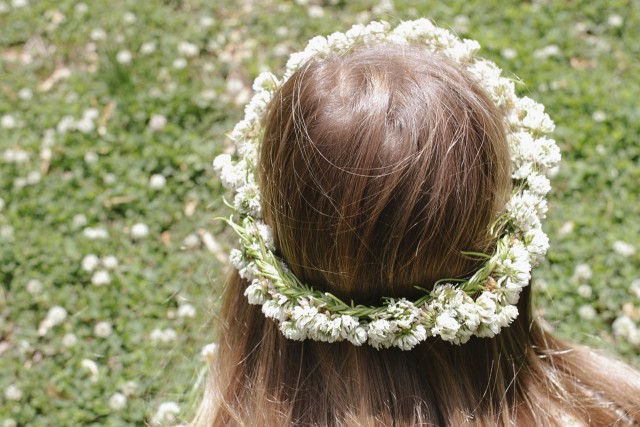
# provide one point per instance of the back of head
(379, 168)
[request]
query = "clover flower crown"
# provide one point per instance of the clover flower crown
(453, 310)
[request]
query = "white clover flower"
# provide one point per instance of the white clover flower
(8, 121)
(90, 262)
(615, 21)
(315, 11)
(91, 158)
(446, 326)
(117, 401)
(582, 272)
(538, 184)
(408, 340)
(265, 81)
(8, 422)
(587, 312)
(625, 329)
(157, 122)
(57, 314)
(380, 333)
(98, 34)
(110, 262)
(166, 413)
(292, 332)
(157, 181)
(103, 329)
(147, 48)
(188, 50)
(101, 278)
(584, 291)
(547, 51)
(92, 367)
(25, 94)
(85, 125)
(599, 116)
(273, 310)
(95, 233)
(208, 352)
(186, 310)
(623, 248)
(129, 18)
(79, 220)
(537, 244)
(247, 200)
(13, 393)
(509, 53)
(163, 336)
(124, 57)
(139, 231)
(34, 286)
(523, 212)
(256, 292)
(129, 388)
(179, 63)
(69, 340)
(534, 116)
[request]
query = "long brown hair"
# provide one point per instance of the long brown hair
(378, 170)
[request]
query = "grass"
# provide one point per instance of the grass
(99, 99)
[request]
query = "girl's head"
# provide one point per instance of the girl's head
(379, 168)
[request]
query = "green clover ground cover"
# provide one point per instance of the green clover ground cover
(110, 115)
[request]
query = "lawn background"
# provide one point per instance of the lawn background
(110, 116)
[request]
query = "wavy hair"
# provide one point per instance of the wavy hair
(378, 170)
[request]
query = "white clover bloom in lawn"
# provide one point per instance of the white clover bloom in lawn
(167, 413)
(623, 248)
(129, 388)
(186, 310)
(34, 286)
(599, 116)
(139, 231)
(208, 352)
(4, 8)
(625, 329)
(69, 340)
(9, 422)
(101, 278)
(163, 336)
(13, 393)
(615, 21)
(25, 94)
(179, 63)
(91, 157)
(103, 329)
(19, 4)
(98, 34)
(315, 11)
(582, 272)
(117, 401)
(90, 262)
(54, 317)
(81, 8)
(92, 367)
(188, 50)
(79, 220)
(157, 122)
(148, 48)
(157, 181)
(110, 262)
(85, 125)
(585, 291)
(8, 121)
(124, 57)
(129, 18)
(587, 312)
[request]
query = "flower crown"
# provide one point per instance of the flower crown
(453, 310)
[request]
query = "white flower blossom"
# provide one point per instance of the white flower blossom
(124, 57)
(157, 122)
(69, 340)
(623, 248)
(92, 367)
(188, 50)
(147, 48)
(582, 272)
(90, 262)
(208, 352)
(587, 312)
(95, 233)
(110, 262)
(101, 278)
(34, 286)
(625, 329)
(13, 393)
(103, 329)
(157, 181)
(139, 231)
(166, 414)
(117, 401)
(186, 310)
